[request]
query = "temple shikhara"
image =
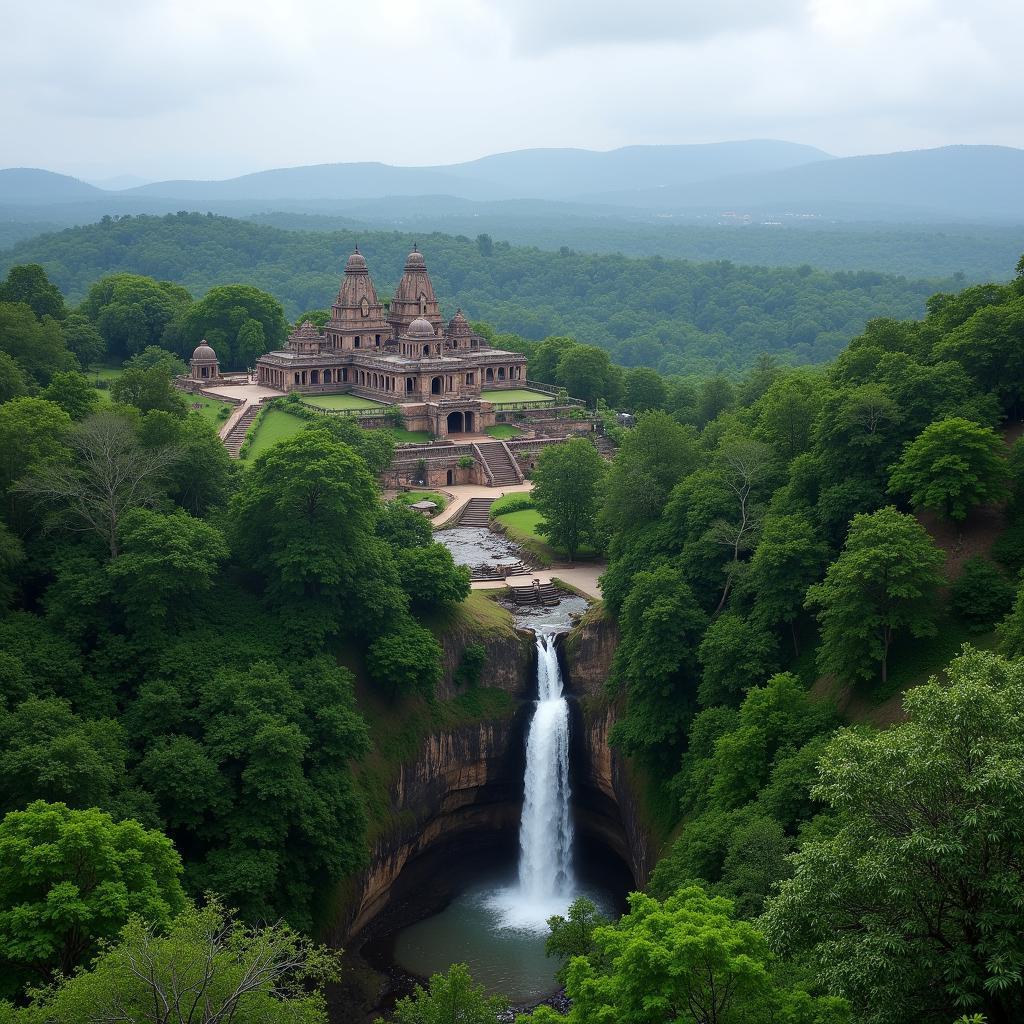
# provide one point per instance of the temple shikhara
(407, 355)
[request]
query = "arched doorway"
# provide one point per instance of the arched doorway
(450, 477)
(490, 376)
(468, 418)
(455, 423)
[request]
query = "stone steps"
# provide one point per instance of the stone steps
(236, 436)
(500, 463)
(479, 573)
(476, 512)
(545, 594)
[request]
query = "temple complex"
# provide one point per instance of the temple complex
(406, 355)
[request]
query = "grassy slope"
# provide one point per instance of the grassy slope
(503, 431)
(522, 528)
(275, 425)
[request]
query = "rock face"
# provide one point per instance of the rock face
(466, 782)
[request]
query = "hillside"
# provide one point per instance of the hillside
(32, 186)
(671, 314)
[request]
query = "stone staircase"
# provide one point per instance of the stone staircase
(236, 435)
(479, 573)
(476, 512)
(604, 445)
(545, 594)
(499, 462)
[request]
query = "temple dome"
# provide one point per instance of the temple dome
(421, 328)
(415, 261)
(204, 353)
(356, 262)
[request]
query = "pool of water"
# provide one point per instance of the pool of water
(554, 619)
(489, 927)
(472, 546)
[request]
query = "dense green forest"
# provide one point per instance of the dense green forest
(188, 648)
(675, 316)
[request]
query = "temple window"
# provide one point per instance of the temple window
(357, 341)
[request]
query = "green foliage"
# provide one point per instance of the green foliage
(33, 435)
(952, 466)
(149, 388)
(83, 340)
(70, 878)
(449, 997)
(73, 393)
(981, 595)
(515, 502)
(131, 311)
(911, 907)
(735, 654)
(30, 285)
(407, 661)
(685, 959)
(566, 492)
(430, 577)
(13, 380)
(267, 974)
(573, 935)
(883, 583)
(36, 346)
(471, 665)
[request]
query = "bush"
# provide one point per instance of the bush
(512, 503)
(466, 462)
(474, 657)
(408, 661)
(411, 497)
(982, 595)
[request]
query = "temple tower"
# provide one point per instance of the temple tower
(357, 316)
(414, 298)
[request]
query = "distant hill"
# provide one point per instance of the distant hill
(952, 182)
(31, 185)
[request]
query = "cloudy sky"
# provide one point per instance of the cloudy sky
(213, 88)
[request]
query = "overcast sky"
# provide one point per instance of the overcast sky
(214, 88)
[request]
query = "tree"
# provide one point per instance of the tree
(449, 998)
(951, 466)
(567, 491)
(30, 285)
(981, 595)
(883, 583)
(155, 357)
(33, 434)
(788, 558)
(585, 371)
(407, 661)
(644, 389)
(71, 878)
(685, 960)
(164, 561)
(48, 752)
(735, 654)
(131, 311)
(73, 393)
(109, 474)
(786, 413)
(206, 967)
(83, 340)
(910, 906)
(13, 382)
(149, 388)
(37, 346)
(431, 578)
(573, 935)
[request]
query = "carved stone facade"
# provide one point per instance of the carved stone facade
(407, 356)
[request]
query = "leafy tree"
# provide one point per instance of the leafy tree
(660, 624)
(154, 357)
(573, 935)
(71, 878)
(239, 321)
(83, 340)
(910, 909)
(73, 393)
(450, 997)
(206, 967)
(407, 661)
(982, 594)
(716, 396)
(786, 413)
(788, 558)
(644, 389)
(131, 311)
(37, 346)
(653, 457)
(755, 860)
(148, 388)
(566, 492)
(884, 582)
(950, 467)
(109, 474)
(857, 431)
(13, 382)
(48, 753)
(202, 478)
(30, 285)
(735, 654)
(687, 960)
(164, 561)
(402, 527)
(12, 555)
(585, 371)
(33, 434)
(431, 578)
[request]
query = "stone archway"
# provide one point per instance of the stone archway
(468, 419)
(456, 423)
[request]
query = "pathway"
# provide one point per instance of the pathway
(582, 577)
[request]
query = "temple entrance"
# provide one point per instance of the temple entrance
(450, 477)
(456, 422)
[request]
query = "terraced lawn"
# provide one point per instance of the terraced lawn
(210, 409)
(341, 402)
(503, 431)
(275, 425)
(516, 395)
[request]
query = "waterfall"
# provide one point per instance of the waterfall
(545, 831)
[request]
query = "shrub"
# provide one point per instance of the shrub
(408, 661)
(982, 595)
(474, 657)
(466, 462)
(512, 503)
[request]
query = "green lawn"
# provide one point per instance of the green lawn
(411, 497)
(522, 528)
(516, 395)
(503, 431)
(403, 436)
(211, 409)
(275, 425)
(340, 402)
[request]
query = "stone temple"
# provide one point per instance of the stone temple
(406, 355)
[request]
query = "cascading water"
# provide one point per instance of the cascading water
(545, 831)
